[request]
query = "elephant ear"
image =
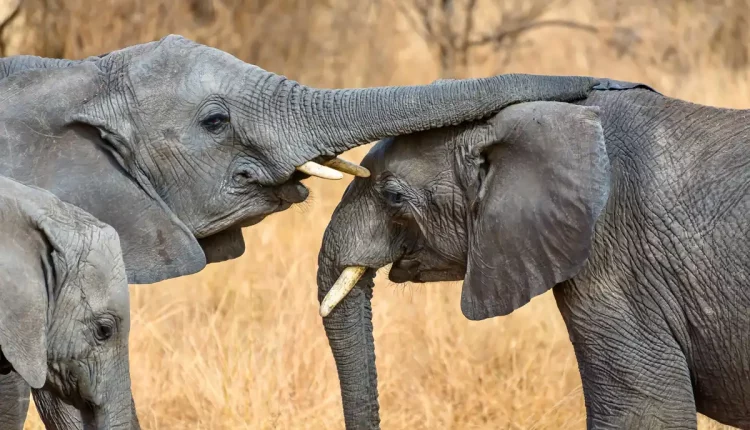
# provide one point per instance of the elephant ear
(46, 142)
(24, 274)
(543, 182)
(23, 312)
(156, 244)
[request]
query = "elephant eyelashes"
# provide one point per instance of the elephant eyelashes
(215, 122)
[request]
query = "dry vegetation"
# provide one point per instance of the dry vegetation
(240, 345)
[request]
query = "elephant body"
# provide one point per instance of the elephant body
(659, 317)
(630, 205)
(65, 320)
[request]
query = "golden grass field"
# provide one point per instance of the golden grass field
(241, 346)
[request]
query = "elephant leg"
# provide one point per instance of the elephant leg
(624, 391)
(14, 401)
(634, 373)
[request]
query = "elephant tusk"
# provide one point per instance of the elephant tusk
(346, 282)
(348, 167)
(314, 169)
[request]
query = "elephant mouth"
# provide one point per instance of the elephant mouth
(252, 221)
(289, 196)
(411, 270)
(247, 222)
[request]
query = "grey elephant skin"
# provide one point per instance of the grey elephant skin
(630, 205)
(64, 312)
(178, 145)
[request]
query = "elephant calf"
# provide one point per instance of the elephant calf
(64, 313)
(632, 205)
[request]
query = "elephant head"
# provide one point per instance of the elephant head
(178, 145)
(65, 308)
(507, 205)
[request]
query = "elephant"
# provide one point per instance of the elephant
(190, 144)
(65, 311)
(629, 205)
(178, 145)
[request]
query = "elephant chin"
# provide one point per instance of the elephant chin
(408, 270)
(404, 271)
(222, 246)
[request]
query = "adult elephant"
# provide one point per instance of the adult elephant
(178, 145)
(632, 205)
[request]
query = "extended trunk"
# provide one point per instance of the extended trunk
(349, 331)
(333, 121)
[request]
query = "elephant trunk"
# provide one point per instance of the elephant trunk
(118, 409)
(349, 331)
(334, 121)
(118, 412)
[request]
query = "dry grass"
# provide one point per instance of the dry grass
(240, 345)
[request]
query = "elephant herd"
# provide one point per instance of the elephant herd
(145, 163)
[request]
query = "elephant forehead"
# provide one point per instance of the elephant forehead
(198, 68)
(416, 158)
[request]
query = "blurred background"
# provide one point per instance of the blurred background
(241, 345)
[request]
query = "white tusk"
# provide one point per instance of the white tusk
(347, 280)
(348, 167)
(315, 169)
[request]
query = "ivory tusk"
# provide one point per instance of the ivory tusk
(347, 280)
(315, 169)
(348, 167)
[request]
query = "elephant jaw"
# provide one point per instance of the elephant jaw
(225, 245)
(411, 270)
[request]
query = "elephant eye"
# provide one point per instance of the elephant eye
(215, 122)
(105, 329)
(393, 198)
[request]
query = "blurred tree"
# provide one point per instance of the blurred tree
(454, 28)
(285, 36)
(8, 10)
(350, 43)
(677, 35)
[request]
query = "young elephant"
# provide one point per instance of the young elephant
(64, 313)
(633, 206)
